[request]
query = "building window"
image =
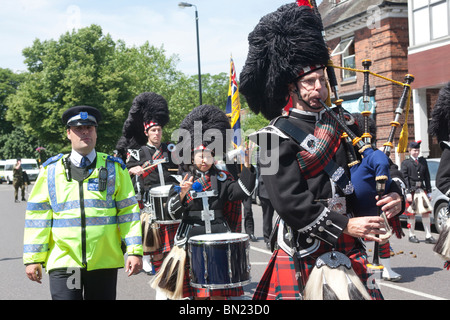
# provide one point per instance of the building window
(346, 48)
(430, 20)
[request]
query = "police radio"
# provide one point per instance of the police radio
(66, 162)
(102, 179)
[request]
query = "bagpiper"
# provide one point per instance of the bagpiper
(317, 233)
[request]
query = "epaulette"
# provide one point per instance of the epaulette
(118, 160)
(52, 159)
(270, 129)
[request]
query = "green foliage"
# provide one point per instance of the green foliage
(16, 145)
(9, 81)
(86, 67)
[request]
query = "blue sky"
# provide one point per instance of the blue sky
(223, 27)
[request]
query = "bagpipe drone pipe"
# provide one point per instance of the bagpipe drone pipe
(370, 176)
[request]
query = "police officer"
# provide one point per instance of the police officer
(80, 208)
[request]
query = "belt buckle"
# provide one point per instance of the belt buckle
(337, 204)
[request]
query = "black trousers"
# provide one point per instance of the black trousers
(268, 211)
(249, 223)
(80, 284)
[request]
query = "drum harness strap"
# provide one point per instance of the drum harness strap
(159, 157)
(207, 215)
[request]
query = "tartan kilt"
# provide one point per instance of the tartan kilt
(408, 213)
(396, 226)
(167, 234)
(278, 281)
(189, 291)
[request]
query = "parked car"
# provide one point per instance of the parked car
(2, 170)
(439, 201)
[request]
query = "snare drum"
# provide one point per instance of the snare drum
(219, 260)
(158, 199)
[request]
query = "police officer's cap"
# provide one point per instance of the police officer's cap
(81, 116)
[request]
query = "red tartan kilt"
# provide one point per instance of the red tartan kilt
(407, 213)
(167, 234)
(279, 283)
(396, 226)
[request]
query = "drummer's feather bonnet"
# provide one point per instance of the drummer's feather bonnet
(148, 109)
(205, 126)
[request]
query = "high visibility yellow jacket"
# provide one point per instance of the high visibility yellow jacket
(72, 224)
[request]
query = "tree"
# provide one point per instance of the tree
(85, 67)
(9, 81)
(17, 145)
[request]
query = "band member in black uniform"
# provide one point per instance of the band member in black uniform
(223, 199)
(418, 190)
(439, 127)
(149, 161)
(307, 178)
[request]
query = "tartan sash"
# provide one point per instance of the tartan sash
(156, 156)
(327, 140)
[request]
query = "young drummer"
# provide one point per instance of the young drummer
(200, 174)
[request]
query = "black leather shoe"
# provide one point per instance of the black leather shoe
(430, 240)
(252, 237)
(413, 239)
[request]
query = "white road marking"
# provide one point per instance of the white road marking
(389, 285)
(418, 293)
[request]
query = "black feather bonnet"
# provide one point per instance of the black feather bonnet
(440, 116)
(282, 45)
(205, 127)
(148, 109)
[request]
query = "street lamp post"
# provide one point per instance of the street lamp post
(185, 5)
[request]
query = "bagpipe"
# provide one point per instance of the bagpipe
(369, 170)
(371, 175)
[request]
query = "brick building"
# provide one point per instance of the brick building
(429, 39)
(376, 30)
